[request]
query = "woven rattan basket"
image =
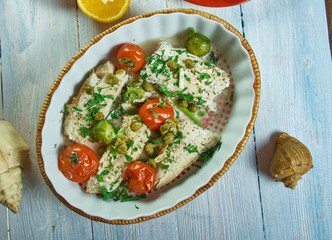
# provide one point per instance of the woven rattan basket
(226, 165)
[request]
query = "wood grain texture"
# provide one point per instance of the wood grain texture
(35, 47)
(296, 69)
(290, 40)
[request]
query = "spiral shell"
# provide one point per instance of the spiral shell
(291, 160)
(13, 152)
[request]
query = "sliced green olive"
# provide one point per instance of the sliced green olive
(89, 89)
(121, 149)
(168, 138)
(112, 79)
(99, 116)
(172, 64)
(189, 63)
(149, 149)
(183, 103)
(152, 163)
(136, 126)
(192, 107)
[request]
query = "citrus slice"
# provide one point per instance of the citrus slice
(104, 10)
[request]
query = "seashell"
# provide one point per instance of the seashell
(291, 160)
(13, 151)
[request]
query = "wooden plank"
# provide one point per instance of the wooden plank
(295, 65)
(4, 230)
(37, 41)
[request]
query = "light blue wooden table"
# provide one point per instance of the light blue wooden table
(290, 40)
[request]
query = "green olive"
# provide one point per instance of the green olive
(152, 163)
(99, 116)
(148, 87)
(121, 149)
(168, 138)
(192, 107)
(183, 103)
(89, 89)
(189, 63)
(149, 149)
(112, 79)
(196, 43)
(136, 126)
(172, 64)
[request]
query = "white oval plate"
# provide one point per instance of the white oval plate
(226, 40)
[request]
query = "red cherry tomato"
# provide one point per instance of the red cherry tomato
(141, 177)
(130, 57)
(217, 3)
(154, 113)
(78, 163)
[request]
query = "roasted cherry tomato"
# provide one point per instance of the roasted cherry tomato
(141, 177)
(154, 113)
(78, 163)
(130, 57)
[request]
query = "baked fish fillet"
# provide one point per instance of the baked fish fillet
(112, 165)
(199, 78)
(96, 95)
(183, 151)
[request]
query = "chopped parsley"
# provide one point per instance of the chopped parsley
(129, 158)
(74, 158)
(77, 109)
(154, 113)
(164, 166)
(191, 148)
(120, 194)
(130, 144)
(209, 153)
(204, 76)
(200, 101)
(213, 57)
(65, 111)
(85, 132)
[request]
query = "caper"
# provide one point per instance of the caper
(168, 126)
(173, 128)
(168, 138)
(89, 89)
(149, 149)
(172, 65)
(164, 128)
(183, 103)
(112, 79)
(189, 63)
(122, 149)
(192, 107)
(176, 121)
(152, 163)
(148, 87)
(135, 126)
(99, 116)
(101, 150)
